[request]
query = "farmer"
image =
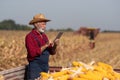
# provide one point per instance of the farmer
(38, 47)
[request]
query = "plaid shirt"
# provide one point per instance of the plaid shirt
(34, 46)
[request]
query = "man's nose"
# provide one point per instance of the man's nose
(44, 26)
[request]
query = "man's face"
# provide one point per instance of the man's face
(40, 26)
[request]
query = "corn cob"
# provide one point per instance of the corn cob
(82, 71)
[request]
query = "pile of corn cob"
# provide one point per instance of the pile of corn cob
(1, 77)
(82, 71)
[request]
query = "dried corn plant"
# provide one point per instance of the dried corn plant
(71, 47)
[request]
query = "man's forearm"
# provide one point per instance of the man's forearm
(54, 47)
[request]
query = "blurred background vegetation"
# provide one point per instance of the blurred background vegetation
(11, 25)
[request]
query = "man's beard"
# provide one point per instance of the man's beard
(41, 30)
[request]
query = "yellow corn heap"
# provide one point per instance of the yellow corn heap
(82, 71)
(1, 77)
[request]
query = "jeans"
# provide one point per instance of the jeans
(38, 65)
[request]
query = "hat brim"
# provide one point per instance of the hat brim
(38, 20)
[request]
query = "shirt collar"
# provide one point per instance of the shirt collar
(35, 32)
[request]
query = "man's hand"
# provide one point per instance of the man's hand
(53, 44)
(45, 46)
(56, 42)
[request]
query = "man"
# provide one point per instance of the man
(38, 47)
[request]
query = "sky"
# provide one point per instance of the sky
(103, 14)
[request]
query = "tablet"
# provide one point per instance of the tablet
(58, 35)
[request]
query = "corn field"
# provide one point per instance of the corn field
(71, 48)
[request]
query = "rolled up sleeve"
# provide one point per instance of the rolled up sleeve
(51, 50)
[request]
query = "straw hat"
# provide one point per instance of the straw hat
(38, 18)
